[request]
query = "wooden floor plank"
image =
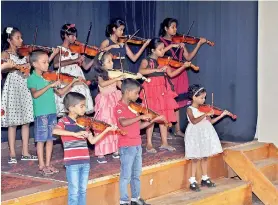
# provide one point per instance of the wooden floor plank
(185, 197)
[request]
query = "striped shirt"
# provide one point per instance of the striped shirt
(75, 149)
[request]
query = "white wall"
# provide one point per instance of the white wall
(267, 125)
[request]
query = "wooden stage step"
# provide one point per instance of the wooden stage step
(227, 192)
(258, 163)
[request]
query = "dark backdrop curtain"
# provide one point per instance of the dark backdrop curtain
(137, 15)
(229, 69)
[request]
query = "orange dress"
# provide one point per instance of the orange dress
(160, 93)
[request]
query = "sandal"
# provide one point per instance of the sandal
(151, 151)
(53, 169)
(30, 158)
(179, 134)
(45, 172)
(168, 148)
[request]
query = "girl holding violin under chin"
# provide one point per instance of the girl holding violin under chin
(106, 100)
(70, 64)
(201, 140)
(160, 94)
(16, 97)
(168, 29)
(114, 33)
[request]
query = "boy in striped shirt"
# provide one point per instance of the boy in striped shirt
(76, 153)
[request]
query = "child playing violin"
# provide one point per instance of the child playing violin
(106, 101)
(168, 29)
(201, 140)
(77, 160)
(160, 94)
(130, 145)
(16, 97)
(70, 64)
(113, 32)
(44, 109)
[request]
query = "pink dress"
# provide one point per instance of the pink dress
(106, 100)
(160, 93)
(181, 81)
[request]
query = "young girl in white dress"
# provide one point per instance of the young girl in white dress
(71, 64)
(201, 140)
(16, 98)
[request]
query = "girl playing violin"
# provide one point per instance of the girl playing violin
(113, 32)
(160, 94)
(70, 64)
(201, 140)
(168, 29)
(16, 97)
(106, 100)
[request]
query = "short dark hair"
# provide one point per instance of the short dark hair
(192, 90)
(68, 29)
(5, 36)
(72, 99)
(34, 56)
(130, 84)
(166, 23)
(114, 23)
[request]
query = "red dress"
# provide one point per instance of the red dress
(159, 93)
(180, 81)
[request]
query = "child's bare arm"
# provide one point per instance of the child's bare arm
(93, 139)
(37, 93)
(196, 120)
(58, 131)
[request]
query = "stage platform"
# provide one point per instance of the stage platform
(21, 184)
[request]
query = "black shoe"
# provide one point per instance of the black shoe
(125, 204)
(207, 183)
(139, 202)
(195, 187)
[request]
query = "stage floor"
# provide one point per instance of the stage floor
(22, 178)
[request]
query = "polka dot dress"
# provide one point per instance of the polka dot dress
(16, 98)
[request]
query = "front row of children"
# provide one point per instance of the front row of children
(201, 140)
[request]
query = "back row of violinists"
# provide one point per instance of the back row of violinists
(163, 70)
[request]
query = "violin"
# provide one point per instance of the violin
(2, 112)
(96, 125)
(143, 110)
(78, 47)
(189, 39)
(162, 61)
(134, 40)
(27, 49)
(22, 69)
(64, 78)
(116, 73)
(217, 111)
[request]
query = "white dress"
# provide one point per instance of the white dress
(201, 139)
(76, 71)
(16, 98)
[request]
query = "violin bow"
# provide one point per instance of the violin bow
(190, 28)
(59, 69)
(35, 35)
(130, 37)
(88, 36)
